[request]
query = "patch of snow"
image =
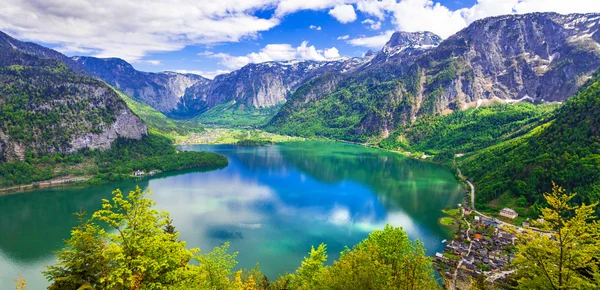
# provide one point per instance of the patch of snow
(526, 97)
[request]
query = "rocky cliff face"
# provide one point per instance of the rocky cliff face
(262, 85)
(404, 46)
(7, 42)
(162, 91)
(126, 125)
(540, 57)
(47, 107)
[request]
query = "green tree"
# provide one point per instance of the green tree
(83, 261)
(215, 268)
(387, 259)
(570, 256)
(141, 253)
(306, 276)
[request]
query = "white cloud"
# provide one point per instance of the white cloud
(275, 52)
(290, 6)
(148, 61)
(318, 28)
(372, 24)
(343, 37)
(207, 74)
(331, 53)
(374, 42)
(131, 29)
(343, 13)
(427, 15)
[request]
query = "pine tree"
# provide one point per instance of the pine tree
(83, 261)
(569, 257)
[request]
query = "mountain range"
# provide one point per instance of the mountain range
(539, 57)
(415, 85)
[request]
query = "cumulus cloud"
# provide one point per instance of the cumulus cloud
(285, 7)
(373, 42)
(131, 29)
(372, 24)
(343, 37)
(331, 53)
(276, 52)
(313, 27)
(427, 15)
(149, 61)
(343, 13)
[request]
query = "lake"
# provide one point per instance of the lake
(271, 203)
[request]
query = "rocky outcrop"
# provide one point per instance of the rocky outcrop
(162, 91)
(127, 125)
(47, 107)
(543, 57)
(263, 84)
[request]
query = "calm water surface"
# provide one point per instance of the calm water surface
(271, 203)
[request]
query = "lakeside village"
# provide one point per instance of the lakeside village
(481, 246)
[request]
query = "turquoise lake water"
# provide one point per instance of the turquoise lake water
(271, 203)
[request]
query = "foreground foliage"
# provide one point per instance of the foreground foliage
(567, 259)
(130, 245)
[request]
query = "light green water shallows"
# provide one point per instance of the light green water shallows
(272, 203)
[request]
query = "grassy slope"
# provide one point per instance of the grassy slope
(566, 151)
(159, 123)
(232, 114)
(469, 130)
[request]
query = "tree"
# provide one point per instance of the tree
(306, 276)
(215, 268)
(569, 257)
(83, 261)
(387, 259)
(479, 283)
(142, 255)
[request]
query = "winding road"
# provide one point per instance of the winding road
(497, 220)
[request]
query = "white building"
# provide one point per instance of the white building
(509, 213)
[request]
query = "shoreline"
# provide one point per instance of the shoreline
(54, 182)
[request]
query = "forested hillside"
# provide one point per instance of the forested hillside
(57, 122)
(469, 130)
(565, 151)
(47, 108)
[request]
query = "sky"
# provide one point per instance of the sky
(210, 37)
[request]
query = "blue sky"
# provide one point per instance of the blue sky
(216, 36)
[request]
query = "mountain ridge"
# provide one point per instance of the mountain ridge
(495, 59)
(49, 108)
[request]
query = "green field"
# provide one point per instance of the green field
(446, 221)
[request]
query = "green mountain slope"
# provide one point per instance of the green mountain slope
(565, 151)
(469, 130)
(58, 123)
(158, 122)
(48, 108)
(237, 114)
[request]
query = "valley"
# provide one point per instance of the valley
(285, 152)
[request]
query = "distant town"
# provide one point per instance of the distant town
(481, 246)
